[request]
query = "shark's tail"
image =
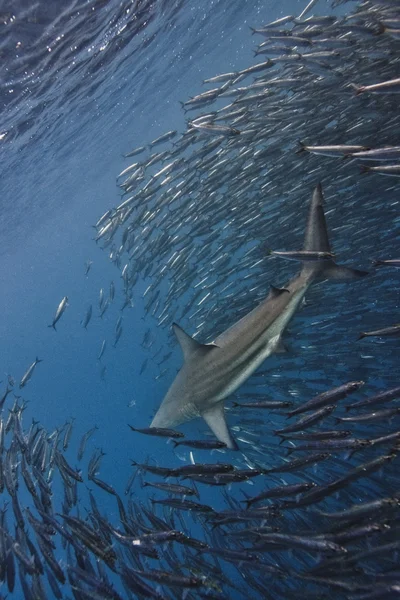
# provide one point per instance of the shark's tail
(317, 240)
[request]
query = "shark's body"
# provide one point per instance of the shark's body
(211, 372)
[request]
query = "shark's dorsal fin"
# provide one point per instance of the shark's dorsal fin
(215, 419)
(275, 291)
(189, 345)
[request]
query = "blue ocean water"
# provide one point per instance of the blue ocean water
(81, 84)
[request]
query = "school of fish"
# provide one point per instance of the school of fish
(311, 122)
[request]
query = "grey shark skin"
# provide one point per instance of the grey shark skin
(211, 372)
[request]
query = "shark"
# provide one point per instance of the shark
(212, 372)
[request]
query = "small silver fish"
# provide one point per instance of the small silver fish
(388, 170)
(214, 129)
(392, 262)
(385, 87)
(338, 150)
(135, 151)
(88, 316)
(29, 373)
(59, 312)
(103, 347)
(304, 255)
(387, 331)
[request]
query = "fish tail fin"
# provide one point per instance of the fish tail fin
(358, 89)
(364, 169)
(316, 239)
(175, 443)
(53, 326)
(196, 491)
(38, 360)
(253, 31)
(381, 29)
(361, 335)
(301, 147)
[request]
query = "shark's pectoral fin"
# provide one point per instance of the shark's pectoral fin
(280, 348)
(215, 419)
(189, 345)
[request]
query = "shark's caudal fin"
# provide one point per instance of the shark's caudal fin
(317, 240)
